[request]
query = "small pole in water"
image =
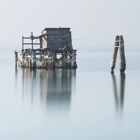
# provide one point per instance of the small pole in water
(119, 44)
(16, 58)
(122, 55)
(113, 63)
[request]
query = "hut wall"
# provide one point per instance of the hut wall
(56, 38)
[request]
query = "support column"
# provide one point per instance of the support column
(16, 58)
(22, 43)
(34, 59)
(32, 38)
(40, 39)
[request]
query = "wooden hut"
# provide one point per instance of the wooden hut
(55, 50)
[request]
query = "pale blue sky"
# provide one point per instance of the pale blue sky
(97, 20)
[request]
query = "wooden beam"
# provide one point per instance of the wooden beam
(31, 43)
(26, 37)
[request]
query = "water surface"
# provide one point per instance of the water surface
(84, 104)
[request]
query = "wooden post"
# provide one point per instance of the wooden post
(119, 44)
(22, 43)
(114, 59)
(16, 58)
(34, 59)
(32, 38)
(30, 63)
(32, 54)
(40, 39)
(122, 55)
(113, 63)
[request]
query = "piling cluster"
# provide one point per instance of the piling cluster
(119, 45)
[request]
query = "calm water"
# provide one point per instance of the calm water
(86, 104)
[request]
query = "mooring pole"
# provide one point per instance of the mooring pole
(113, 63)
(119, 44)
(122, 55)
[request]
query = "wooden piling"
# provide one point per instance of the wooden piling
(34, 59)
(32, 38)
(119, 44)
(22, 43)
(16, 58)
(114, 59)
(122, 55)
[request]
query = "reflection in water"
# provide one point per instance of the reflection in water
(16, 71)
(119, 96)
(52, 87)
(56, 88)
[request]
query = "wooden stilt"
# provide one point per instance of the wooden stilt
(16, 58)
(34, 59)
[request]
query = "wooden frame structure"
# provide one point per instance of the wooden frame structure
(58, 42)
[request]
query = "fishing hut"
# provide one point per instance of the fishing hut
(52, 49)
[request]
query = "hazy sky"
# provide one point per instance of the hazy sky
(96, 20)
